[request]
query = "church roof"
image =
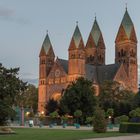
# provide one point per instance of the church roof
(97, 74)
(127, 24)
(64, 64)
(95, 32)
(107, 72)
(46, 44)
(91, 72)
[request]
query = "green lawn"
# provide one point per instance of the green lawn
(53, 134)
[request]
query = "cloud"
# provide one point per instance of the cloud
(5, 12)
(10, 16)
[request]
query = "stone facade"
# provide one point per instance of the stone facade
(88, 61)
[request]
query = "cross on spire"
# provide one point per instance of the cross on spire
(126, 6)
(95, 15)
(47, 31)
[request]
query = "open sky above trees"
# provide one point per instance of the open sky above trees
(23, 26)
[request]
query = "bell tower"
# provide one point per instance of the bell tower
(76, 64)
(126, 50)
(95, 47)
(46, 60)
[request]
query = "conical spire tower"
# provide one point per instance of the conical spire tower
(77, 40)
(126, 30)
(95, 47)
(47, 48)
(76, 66)
(126, 49)
(46, 58)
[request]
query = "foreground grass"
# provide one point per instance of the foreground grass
(53, 134)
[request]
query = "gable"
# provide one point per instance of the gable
(121, 76)
(57, 71)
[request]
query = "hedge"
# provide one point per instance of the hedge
(129, 128)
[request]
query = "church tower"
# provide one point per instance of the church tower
(95, 47)
(46, 57)
(126, 50)
(76, 64)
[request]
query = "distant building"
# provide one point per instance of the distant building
(89, 61)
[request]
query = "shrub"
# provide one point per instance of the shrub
(64, 119)
(99, 121)
(89, 120)
(129, 128)
(110, 112)
(133, 113)
(78, 114)
(123, 118)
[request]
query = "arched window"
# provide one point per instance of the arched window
(124, 53)
(121, 52)
(42, 61)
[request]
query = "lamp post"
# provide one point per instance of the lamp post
(110, 123)
(22, 116)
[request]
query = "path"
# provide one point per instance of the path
(133, 137)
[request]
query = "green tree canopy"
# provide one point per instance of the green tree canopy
(136, 101)
(10, 87)
(28, 98)
(113, 95)
(79, 96)
(51, 106)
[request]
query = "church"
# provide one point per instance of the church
(88, 60)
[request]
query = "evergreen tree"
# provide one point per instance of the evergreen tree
(99, 121)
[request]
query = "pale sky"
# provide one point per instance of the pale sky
(23, 25)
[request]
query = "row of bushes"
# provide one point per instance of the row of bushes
(129, 127)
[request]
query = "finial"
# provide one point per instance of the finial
(77, 23)
(126, 6)
(95, 15)
(47, 31)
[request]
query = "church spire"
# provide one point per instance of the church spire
(126, 30)
(76, 41)
(95, 47)
(46, 46)
(95, 32)
(95, 36)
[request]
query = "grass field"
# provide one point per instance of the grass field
(53, 134)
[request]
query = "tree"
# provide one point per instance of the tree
(136, 101)
(10, 87)
(135, 115)
(77, 114)
(28, 98)
(99, 121)
(113, 95)
(79, 96)
(110, 112)
(51, 106)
